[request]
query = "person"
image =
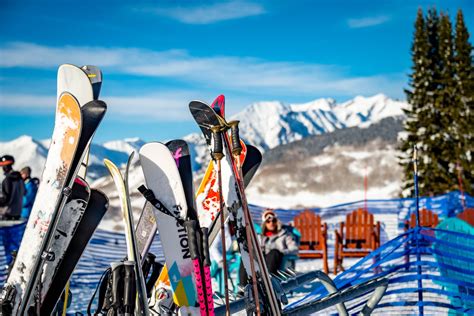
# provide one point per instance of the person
(31, 187)
(12, 189)
(276, 241)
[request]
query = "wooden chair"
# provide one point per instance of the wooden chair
(467, 215)
(427, 219)
(313, 243)
(357, 237)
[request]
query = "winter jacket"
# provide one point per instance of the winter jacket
(283, 241)
(12, 194)
(31, 187)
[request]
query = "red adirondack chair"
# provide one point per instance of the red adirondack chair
(357, 237)
(313, 242)
(467, 215)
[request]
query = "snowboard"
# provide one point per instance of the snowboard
(163, 179)
(93, 214)
(235, 202)
(50, 199)
(132, 250)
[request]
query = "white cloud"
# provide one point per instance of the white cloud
(367, 21)
(163, 106)
(27, 101)
(212, 13)
(224, 73)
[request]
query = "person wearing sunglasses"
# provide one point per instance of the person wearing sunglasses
(276, 241)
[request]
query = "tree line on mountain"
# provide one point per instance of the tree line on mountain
(440, 121)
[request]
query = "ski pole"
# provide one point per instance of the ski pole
(236, 150)
(217, 155)
(417, 231)
(191, 229)
(117, 286)
(129, 288)
(206, 263)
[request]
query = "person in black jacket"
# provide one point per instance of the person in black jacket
(12, 189)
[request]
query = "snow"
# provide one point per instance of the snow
(312, 199)
(273, 123)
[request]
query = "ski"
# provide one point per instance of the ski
(67, 224)
(235, 201)
(74, 80)
(164, 181)
(197, 236)
(132, 250)
(51, 197)
(93, 214)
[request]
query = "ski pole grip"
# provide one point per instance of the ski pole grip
(205, 246)
(218, 147)
(117, 283)
(234, 131)
(129, 289)
(191, 227)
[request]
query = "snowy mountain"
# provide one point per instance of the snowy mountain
(270, 124)
(263, 124)
(30, 152)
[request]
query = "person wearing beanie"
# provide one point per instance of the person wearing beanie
(12, 190)
(276, 241)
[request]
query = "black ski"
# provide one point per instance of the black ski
(93, 214)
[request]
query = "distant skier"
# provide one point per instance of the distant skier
(12, 190)
(31, 187)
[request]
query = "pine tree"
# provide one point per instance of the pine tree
(464, 74)
(444, 148)
(420, 83)
(441, 118)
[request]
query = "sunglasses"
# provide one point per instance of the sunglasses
(271, 219)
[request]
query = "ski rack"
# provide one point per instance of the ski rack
(335, 297)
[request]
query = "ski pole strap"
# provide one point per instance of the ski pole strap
(130, 287)
(217, 150)
(234, 131)
(102, 283)
(150, 197)
(147, 264)
(155, 273)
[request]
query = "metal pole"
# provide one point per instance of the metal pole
(417, 232)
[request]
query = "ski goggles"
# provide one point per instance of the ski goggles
(270, 219)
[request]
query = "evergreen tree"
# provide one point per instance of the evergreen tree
(464, 74)
(444, 147)
(420, 83)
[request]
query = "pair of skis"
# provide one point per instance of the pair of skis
(214, 128)
(78, 115)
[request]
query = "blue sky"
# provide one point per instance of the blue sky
(157, 56)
